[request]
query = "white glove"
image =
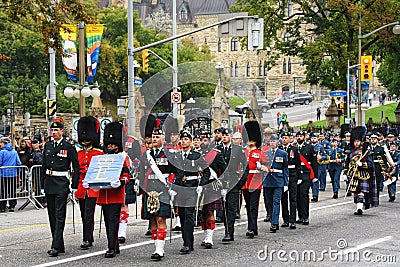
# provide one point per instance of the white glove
(116, 184)
(359, 163)
(172, 193)
(224, 192)
(136, 185)
(85, 184)
(73, 191)
(285, 188)
(314, 180)
(258, 165)
(199, 189)
(299, 181)
(42, 191)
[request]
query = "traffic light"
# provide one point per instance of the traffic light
(366, 68)
(183, 109)
(51, 108)
(145, 60)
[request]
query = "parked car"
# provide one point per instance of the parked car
(302, 98)
(282, 102)
(262, 104)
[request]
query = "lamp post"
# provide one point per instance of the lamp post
(266, 80)
(396, 30)
(81, 92)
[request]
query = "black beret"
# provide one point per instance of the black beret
(301, 132)
(158, 131)
(57, 124)
(226, 131)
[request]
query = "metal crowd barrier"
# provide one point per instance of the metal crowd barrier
(20, 182)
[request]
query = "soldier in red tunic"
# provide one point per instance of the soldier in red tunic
(89, 138)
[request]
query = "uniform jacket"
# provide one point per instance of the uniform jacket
(293, 161)
(116, 195)
(254, 179)
(215, 161)
(59, 158)
(237, 170)
(84, 158)
(278, 162)
(378, 152)
(308, 153)
(336, 153)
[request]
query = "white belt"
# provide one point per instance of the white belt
(189, 178)
(154, 177)
(375, 160)
(254, 171)
(305, 164)
(291, 166)
(57, 173)
(275, 170)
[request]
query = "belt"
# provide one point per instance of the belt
(57, 173)
(304, 164)
(189, 178)
(154, 177)
(291, 166)
(254, 171)
(376, 160)
(275, 170)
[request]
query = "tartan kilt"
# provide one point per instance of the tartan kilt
(130, 195)
(164, 211)
(362, 186)
(212, 200)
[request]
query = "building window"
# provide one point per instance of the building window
(287, 8)
(248, 69)
(290, 8)
(205, 40)
(289, 67)
(234, 44)
(260, 69)
(232, 70)
(287, 37)
(236, 70)
(284, 66)
(219, 45)
(265, 69)
(183, 14)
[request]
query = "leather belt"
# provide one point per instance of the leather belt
(254, 171)
(57, 173)
(154, 177)
(189, 178)
(291, 166)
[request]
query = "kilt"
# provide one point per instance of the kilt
(216, 205)
(164, 211)
(212, 200)
(130, 195)
(362, 186)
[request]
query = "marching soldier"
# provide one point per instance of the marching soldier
(154, 173)
(335, 168)
(277, 179)
(252, 187)
(321, 160)
(322, 168)
(308, 172)
(395, 155)
(57, 160)
(360, 170)
(235, 157)
(267, 135)
(212, 196)
(289, 219)
(112, 199)
(379, 158)
(191, 174)
(89, 139)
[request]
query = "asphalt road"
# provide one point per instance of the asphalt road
(334, 236)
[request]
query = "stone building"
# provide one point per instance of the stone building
(244, 68)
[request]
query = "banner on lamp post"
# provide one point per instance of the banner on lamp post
(94, 34)
(68, 42)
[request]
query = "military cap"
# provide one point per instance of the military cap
(197, 136)
(374, 136)
(218, 130)
(314, 135)
(390, 135)
(347, 133)
(274, 137)
(301, 132)
(393, 143)
(237, 135)
(35, 142)
(185, 133)
(334, 140)
(226, 131)
(158, 131)
(57, 124)
(286, 134)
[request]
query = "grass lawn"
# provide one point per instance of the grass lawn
(375, 113)
(234, 101)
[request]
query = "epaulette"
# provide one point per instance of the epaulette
(98, 149)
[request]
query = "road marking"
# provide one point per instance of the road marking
(367, 244)
(23, 227)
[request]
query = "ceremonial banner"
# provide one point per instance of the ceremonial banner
(70, 61)
(104, 169)
(93, 41)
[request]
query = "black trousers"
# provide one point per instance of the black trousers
(57, 211)
(186, 216)
(87, 206)
(111, 220)
(230, 206)
(252, 199)
(290, 195)
(303, 198)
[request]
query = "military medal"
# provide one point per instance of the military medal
(184, 178)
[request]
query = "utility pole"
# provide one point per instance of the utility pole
(175, 110)
(131, 73)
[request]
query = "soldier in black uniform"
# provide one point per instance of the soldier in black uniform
(58, 156)
(191, 174)
(379, 158)
(294, 174)
(308, 172)
(234, 156)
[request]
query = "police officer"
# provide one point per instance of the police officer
(277, 179)
(289, 219)
(191, 174)
(308, 172)
(335, 167)
(236, 159)
(58, 157)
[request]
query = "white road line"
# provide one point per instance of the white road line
(367, 244)
(144, 243)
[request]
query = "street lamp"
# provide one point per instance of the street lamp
(294, 82)
(191, 101)
(85, 90)
(266, 80)
(396, 30)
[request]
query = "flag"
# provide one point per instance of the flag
(70, 61)
(93, 40)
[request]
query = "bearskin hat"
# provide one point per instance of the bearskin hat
(147, 124)
(357, 133)
(344, 128)
(89, 130)
(170, 126)
(113, 134)
(252, 132)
